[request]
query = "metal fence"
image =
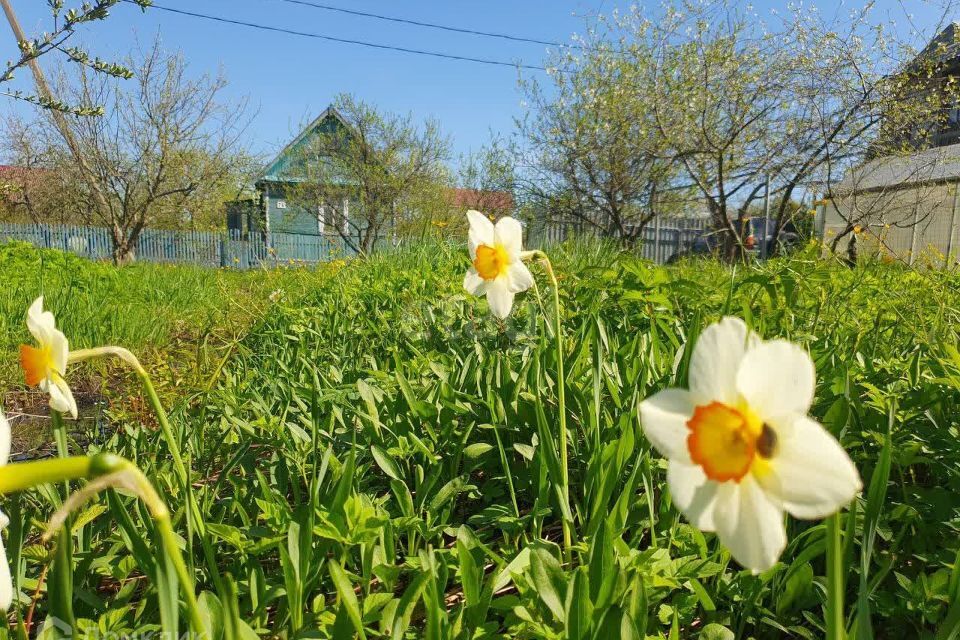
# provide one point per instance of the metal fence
(206, 248)
(659, 240)
(663, 241)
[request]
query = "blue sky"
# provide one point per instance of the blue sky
(289, 79)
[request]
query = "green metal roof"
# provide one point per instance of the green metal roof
(287, 166)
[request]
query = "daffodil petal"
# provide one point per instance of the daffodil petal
(473, 283)
(40, 322)
(61, 397)
(481, 232)
(5, 438)
(716, 360)
(776, 378)
(693, 494)
(500, 297)
(520, 277)
(750, 524)
(59, 350)
(6, 581)
(664, 417)
(810, 473)
(509, 233)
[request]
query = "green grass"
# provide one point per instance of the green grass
(378, 455)
(174, 316)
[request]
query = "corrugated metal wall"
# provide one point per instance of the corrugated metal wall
(913, 223)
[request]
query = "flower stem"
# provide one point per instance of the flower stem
(183, 575)
(173, 444)
(562, 400)
(836, 625)
(123, 354)
(161, 518)
(60, 589)
(24, 475)
(184, 473)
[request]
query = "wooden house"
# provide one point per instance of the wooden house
(291, 229)
(300, 221)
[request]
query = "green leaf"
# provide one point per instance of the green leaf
(386, 462)
(471, 577)
(347, 596)
(714, 631)
(579, 608)
(797, 589)
(548, 579)
(211, 612)
(705, 600)
(476, 450)
(448, 492)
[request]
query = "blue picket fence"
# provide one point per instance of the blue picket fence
(207, 248)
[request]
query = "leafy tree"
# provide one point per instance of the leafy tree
(488, 179)
(593, 139)
(708, 100)
(374, 179)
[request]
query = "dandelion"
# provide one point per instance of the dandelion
(498, 270)
(741, 447)
(45, 364)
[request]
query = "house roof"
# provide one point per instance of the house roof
(940, 164)
(14, 171)
(481, 199)
(276, 169)
(944, 48)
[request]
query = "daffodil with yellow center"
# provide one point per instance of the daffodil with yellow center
(742, 449)
(497, 268)
(45, 364)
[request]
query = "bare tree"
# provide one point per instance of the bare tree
(165, 137)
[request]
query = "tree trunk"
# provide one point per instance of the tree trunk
(368, 241)
(124, 254)
(852, 250)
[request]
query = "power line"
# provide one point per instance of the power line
(320, 36)
(431, 25)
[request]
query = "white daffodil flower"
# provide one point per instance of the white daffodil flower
(742, 449)
(497, 269)
(45, 364)
(6, 582)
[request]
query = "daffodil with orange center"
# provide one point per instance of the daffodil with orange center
(742, 449)
(497, 269)
(45, 364)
